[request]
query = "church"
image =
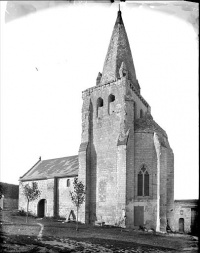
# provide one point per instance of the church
(124, 160)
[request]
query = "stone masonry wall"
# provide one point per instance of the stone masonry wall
(56, 194)
(102, 134)
(84, 157)
(145, 153)
(65, 204)
(163, 189)
(101, 159)
(150, 211)
(50, 197)
(9, 203)
(121, 183)
(42, 185)
(184, 212)
(106, 131)
(170, 188)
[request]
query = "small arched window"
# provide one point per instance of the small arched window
(111, 98)
(143, 182)
(99, 102)
(99, 105)
(141, 113)
(68, 182)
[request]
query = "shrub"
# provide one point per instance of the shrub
(24, 213)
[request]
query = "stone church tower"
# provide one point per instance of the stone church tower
(125, 159)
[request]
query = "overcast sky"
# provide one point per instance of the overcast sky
(51, 55)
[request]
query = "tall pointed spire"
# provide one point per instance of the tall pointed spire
(119, 52)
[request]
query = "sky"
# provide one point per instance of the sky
(51, 52)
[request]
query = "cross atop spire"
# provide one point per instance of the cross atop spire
(119, 52)
(119, 16)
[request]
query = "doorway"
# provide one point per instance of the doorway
(41, 208)
(138, 215)
(181, 225)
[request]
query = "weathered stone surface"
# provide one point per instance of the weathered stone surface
(58, 204)
(187, 211)
(117, 143)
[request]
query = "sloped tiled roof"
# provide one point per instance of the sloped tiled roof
(147, 124)
(59, 167)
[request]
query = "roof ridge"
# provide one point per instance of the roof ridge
(58, 158)
(31, 168)
(57, 167)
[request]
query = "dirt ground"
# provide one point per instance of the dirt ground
(49, 235)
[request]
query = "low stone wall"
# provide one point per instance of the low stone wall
(9, 204)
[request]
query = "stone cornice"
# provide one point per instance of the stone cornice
(88, 91)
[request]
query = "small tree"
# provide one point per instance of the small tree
(78, 196)
(1, 191)
(31, 193)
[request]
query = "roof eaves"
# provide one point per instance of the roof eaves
(186, 200)
(33, 179)
(45, 178)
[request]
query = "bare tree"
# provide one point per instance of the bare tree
(78, 196)
(31, 193)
